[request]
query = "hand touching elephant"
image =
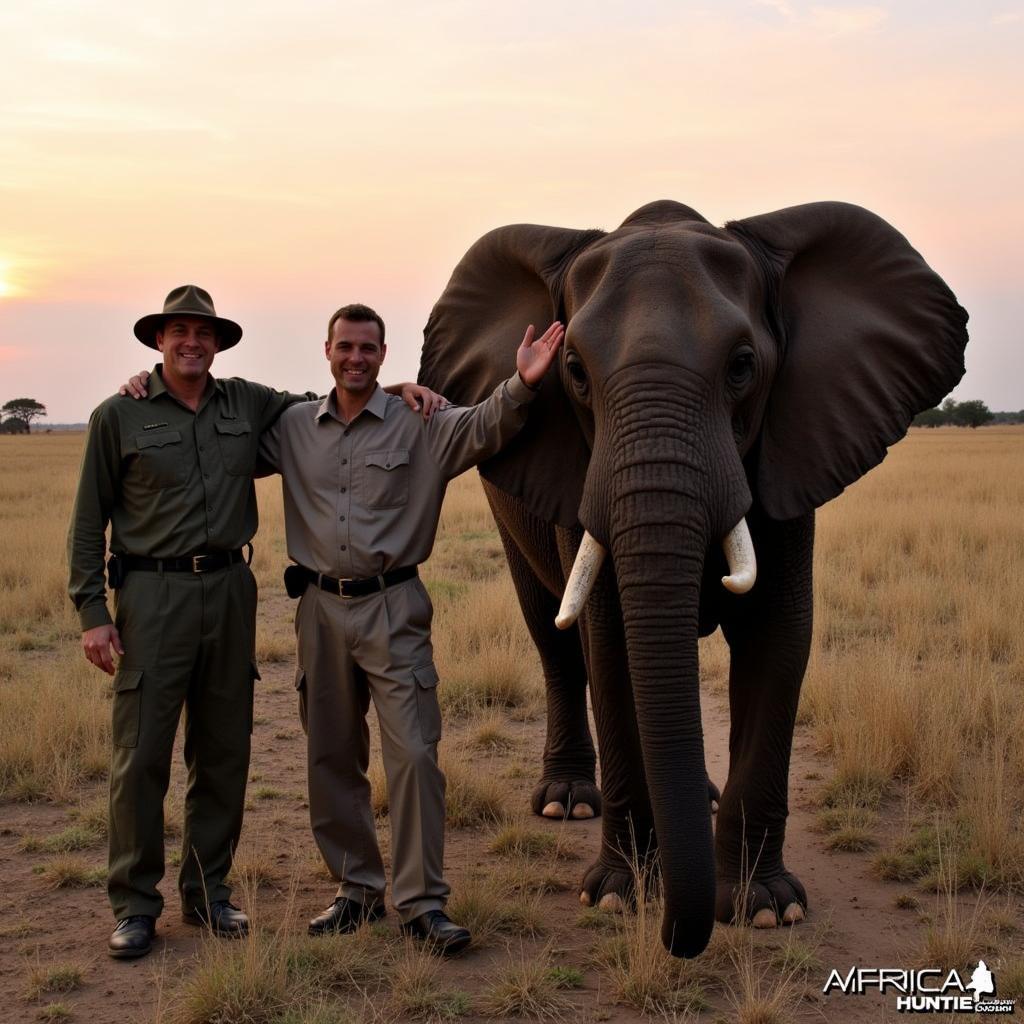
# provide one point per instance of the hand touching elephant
(708, 374)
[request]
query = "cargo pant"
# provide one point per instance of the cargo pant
(189, 642)
(350, 649)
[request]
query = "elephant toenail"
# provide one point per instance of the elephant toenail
(585, 898)
(765, 918)
(582, 811)
(793, 913)
(554, 810)
(611, 901)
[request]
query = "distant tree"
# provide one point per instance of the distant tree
(24, 409)
(931, 418)
(13, 426)
(972, 413)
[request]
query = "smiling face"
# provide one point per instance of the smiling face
(355, 352)
(188, 344)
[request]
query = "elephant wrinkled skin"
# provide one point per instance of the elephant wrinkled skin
(707, 374)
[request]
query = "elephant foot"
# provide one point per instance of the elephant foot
(577, 799)
(608, 888)
(764, 903)
(714, 796)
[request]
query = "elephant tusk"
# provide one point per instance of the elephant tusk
(739, 553)
(581, 581)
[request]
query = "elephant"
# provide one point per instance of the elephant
(716, 385)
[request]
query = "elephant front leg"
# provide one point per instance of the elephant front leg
(567, 787)
(769, 635)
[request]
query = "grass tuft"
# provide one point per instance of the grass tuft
(516, 839)
(70, 872)
(57, 978)
(489, 906)
(417, 993)
(54, 1012)
(72, 839)
(525, 988)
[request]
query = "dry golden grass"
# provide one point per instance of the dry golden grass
(274, 976)
(915, 686)
(526, 987)
(54, 727)
(418, 992)
(490, 905)
(917, 670)
(483, 652)
(37, 489)
(53, 979)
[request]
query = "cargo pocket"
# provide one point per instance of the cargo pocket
(127, 707)
(300, 687)
(254, 674)
(426, 703)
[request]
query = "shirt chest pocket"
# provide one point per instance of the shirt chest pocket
(161, 459)
(237, 449)
(385, 481)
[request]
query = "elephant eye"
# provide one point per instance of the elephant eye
(577, 373)
(741, 367)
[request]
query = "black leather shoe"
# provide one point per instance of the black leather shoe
(344, 916)
(439, 932)
(132, 937)
(222, 918)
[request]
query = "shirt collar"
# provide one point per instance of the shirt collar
(157, 386)
(377, 405)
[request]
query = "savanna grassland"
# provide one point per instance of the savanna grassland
(906, 797)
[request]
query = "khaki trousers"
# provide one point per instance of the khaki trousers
(349, 650)
(189, 641)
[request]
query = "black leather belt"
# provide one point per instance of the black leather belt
(356, 588)
(204, 561)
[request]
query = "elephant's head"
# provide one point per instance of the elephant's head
(703, 368)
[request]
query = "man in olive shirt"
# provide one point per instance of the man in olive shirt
(363, 487)
(172, 475)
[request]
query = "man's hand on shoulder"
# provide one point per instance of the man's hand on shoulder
(98, 643)
(419, 398)
(137, 387)
(535, 356)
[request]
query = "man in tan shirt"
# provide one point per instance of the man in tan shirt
(363, 483)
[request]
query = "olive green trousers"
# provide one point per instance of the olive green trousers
(189, 643)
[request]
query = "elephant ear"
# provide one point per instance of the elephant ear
(512, 277)
(870, 336)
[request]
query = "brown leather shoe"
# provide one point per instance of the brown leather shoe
(132, 937)
(344, 916)
(222, 918)
(439, 933)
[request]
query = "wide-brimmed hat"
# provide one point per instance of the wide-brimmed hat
(188, 300)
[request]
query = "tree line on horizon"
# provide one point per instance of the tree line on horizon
(971, 413)
(16, 416)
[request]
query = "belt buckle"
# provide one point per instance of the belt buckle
(196, 566)
(341, 590)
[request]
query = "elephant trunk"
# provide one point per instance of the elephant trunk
(673, 488)
(658, 565)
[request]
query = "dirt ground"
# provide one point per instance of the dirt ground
(853, 919)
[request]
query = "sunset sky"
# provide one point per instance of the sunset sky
(294, 157)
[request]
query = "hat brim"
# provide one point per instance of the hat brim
(228, 332)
